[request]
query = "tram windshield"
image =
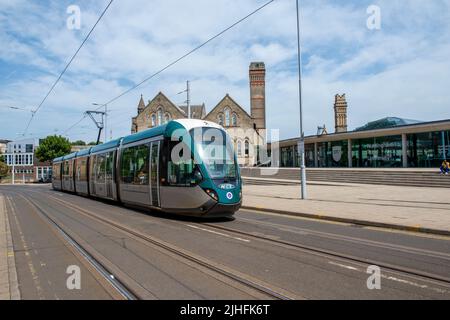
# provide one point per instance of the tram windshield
(216, 152)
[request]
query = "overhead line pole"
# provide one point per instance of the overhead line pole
(301, 146)
(188, 101)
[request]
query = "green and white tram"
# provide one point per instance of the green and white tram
(186, 167)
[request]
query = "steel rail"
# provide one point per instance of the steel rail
(341, 256)
(262, 288)
(122, 289)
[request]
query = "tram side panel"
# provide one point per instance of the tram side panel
(134, 187)
(101, 179)
(178, 194)
(56, 178)
(67, 176)
(81, 177)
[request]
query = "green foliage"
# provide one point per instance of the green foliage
(2, 158)
(4, 170)
(78, 143)
(53, 147)
(93, 143)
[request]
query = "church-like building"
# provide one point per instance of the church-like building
(247, 131)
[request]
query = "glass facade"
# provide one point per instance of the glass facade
(428, 149)
(332, 154)
(380, 152)
(424, 150)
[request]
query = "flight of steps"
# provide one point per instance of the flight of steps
(398, 177)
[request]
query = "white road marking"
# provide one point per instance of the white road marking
(218, 233)
(343, 266)
(411, 283)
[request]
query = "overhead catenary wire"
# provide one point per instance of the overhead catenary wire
(186, 54)
(176, 61)
(66, 67)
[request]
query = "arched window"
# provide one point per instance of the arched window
(239, 148)
(234, 120)
(227, 117)
(247, 149)
(220, 118)
(167, 118)
(160, 117)
(153, 120)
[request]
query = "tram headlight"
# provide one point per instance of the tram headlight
(212, 194)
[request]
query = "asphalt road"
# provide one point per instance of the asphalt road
(295, 257)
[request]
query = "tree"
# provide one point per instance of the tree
(78, 143)
(4, 170)
(53, 147)
(93, 143)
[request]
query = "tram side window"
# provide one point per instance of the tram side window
(135, 165)
(56, 170)
(66, 168)
(109, 164)
(179, 174)
(81, 172)
(101, 167)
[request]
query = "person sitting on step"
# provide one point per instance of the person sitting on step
(445, 167)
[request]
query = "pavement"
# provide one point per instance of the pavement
(8, 275)
(418, 209)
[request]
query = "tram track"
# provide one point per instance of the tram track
(332, 254)
(113, 285)
(265, 290)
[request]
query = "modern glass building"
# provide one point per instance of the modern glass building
(385, 143)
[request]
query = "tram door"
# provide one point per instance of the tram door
(154, 174)
(109, 174)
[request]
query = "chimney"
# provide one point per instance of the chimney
(340, 113)
(258, 94)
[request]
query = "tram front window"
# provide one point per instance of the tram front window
(216, 153)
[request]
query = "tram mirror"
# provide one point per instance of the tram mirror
(198, 177)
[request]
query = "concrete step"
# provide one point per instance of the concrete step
(388, 177)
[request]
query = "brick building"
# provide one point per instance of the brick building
(247, 131)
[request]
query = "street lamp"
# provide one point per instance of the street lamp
(301, 145)
(106, 118)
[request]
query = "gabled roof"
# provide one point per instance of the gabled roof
(162, 95)
(227, 96)
(388, 122)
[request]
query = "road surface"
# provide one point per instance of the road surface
(255, 256)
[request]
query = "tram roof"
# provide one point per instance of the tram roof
(58, 159)
(150, 133)
(109, 145)
(70, 156)
(84, 152)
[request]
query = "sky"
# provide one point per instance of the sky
(399, 69)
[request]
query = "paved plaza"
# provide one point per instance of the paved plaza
(410, 208)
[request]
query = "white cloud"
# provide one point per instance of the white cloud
(400, 70)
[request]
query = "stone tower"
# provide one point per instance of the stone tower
(258, 94)
(340, 113)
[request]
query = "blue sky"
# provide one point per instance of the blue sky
(400, 70)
